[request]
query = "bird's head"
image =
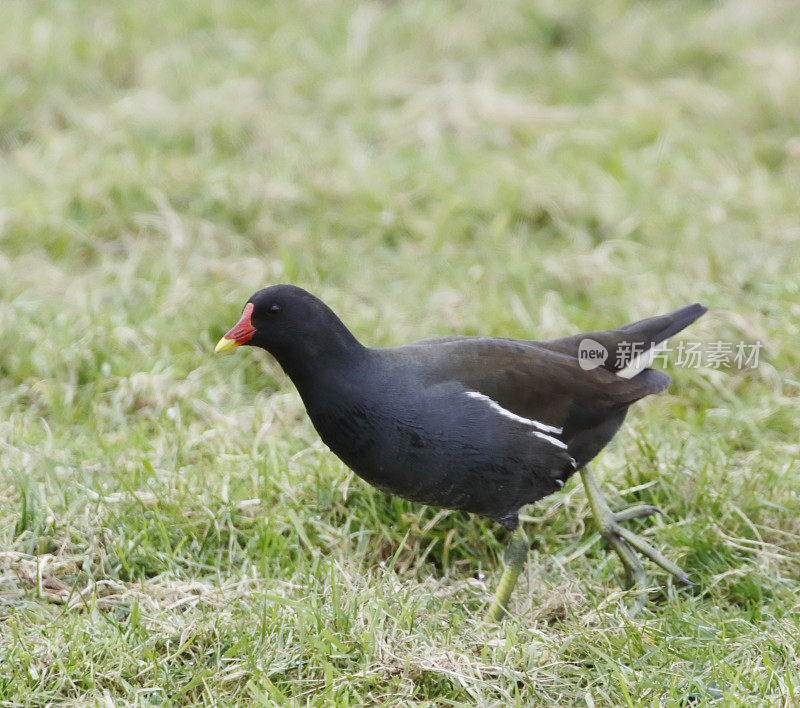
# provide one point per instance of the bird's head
(291, 324)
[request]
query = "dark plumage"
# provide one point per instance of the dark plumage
(485, 425)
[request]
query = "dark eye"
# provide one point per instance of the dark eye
(274, 309)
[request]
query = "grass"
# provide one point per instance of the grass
(171, 529)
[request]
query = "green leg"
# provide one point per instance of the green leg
(515, 557)
(625, 542)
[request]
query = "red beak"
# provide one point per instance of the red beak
(242, 332)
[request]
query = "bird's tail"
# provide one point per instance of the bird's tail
(630, 350)
(646, 336)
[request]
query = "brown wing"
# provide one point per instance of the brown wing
(620, 343)
(534, 382)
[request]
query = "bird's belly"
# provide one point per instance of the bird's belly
(446, 466)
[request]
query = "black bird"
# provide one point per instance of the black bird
(484, 425)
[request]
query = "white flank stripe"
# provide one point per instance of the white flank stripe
(641, 361)
(550, 439)
(518, 418)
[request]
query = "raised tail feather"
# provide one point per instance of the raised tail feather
(631, 348)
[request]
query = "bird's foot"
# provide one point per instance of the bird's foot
(625, 543)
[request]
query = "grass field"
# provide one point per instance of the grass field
(172, 531)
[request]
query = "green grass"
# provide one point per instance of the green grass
(171, 528)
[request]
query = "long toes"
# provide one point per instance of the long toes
(654, 555)
(635, 575)
(637, 512)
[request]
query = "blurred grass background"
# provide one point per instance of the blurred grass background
(171, 529)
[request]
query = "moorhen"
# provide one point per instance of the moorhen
(481, 424)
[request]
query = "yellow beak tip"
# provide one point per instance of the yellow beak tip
(224, 344)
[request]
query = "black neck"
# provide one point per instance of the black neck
(328, 354)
